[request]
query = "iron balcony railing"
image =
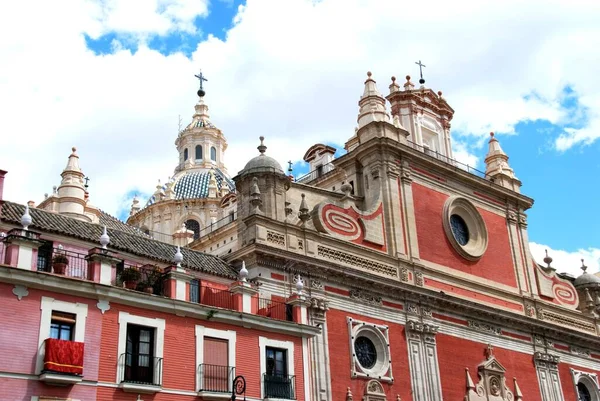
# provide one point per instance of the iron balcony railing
(320, 171)
(210, 296)
(275, 309)
(279, 386)
(447, 160)
(140, 369)
(76, 267)
(216, 378)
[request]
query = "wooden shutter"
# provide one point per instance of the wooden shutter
(216, 351)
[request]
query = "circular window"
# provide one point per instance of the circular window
(366, 353)
(465, 228)
(460, 231)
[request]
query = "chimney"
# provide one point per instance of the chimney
(2, 174)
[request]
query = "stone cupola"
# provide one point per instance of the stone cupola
(201, 145)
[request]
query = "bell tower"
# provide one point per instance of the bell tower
(424, 114)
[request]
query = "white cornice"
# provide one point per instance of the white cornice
(91, 290)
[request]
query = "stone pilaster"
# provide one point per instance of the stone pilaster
(243, 292)
(423, 361)
(177, 283)
(517, 252)
(22, 249)
(408, 207)
(319, 351)
(102, 265)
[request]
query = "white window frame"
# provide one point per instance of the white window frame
(47, 306)
(379, 335)
(202, 332)
(159, 340)
(263, 343)
(590, 380)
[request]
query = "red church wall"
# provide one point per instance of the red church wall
(339, 355)
(456, 354)
(20, 323)
(495, 265)
(179, 359)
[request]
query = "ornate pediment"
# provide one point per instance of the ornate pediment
(492, 382)
(374, 391)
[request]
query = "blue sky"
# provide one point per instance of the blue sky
(294, 71)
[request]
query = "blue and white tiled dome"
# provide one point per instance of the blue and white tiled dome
(194, 185)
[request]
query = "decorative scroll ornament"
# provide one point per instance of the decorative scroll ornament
(365, 228)
(492, 382)
(103, 305)
(558, 290)
(484, 327)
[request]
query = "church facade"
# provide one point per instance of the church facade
(389, 273)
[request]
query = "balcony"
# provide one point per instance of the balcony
(63, 362)
(279, 387)
(140, 373)
(215, 381)
(275, 309)
(209, 296)
(63, 262)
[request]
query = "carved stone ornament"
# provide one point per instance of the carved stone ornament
(404, 274)
(374, 391)
(544, 358)
(419, 279)
(412, 308)
(492, 382)
(419, 327)
(484, 327)
(20, 291)
(580, 351)
(316, 284)
(511, 216)
(393, 171)
(318, 308)
(365, 297)
(523, 220)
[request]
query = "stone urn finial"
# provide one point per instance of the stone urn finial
(104, 238)
(243, 272)
(26, 218)
(178, 257)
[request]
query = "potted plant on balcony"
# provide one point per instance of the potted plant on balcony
(153, 277)
(59, 263)
(130, 277)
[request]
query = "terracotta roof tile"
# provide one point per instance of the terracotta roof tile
(122, 238)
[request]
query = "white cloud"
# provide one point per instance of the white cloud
(565, 261)
(292, 71)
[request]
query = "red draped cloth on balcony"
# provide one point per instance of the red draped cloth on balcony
(63, 356)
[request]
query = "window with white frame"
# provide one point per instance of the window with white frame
(369, 350)
(54, 311)
(586, 385)
(215, 359)
(277, 369)
(140, 349)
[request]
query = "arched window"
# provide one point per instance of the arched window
(583, 392)
(213, 154)
(194, 226)
(198, 152)
(185, 154)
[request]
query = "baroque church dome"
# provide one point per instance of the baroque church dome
(195, 185)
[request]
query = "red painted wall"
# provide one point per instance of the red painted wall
(456, 354)
(566, 379)
(179, 363)
(20, 325)
(496, 264)
(339, 354)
